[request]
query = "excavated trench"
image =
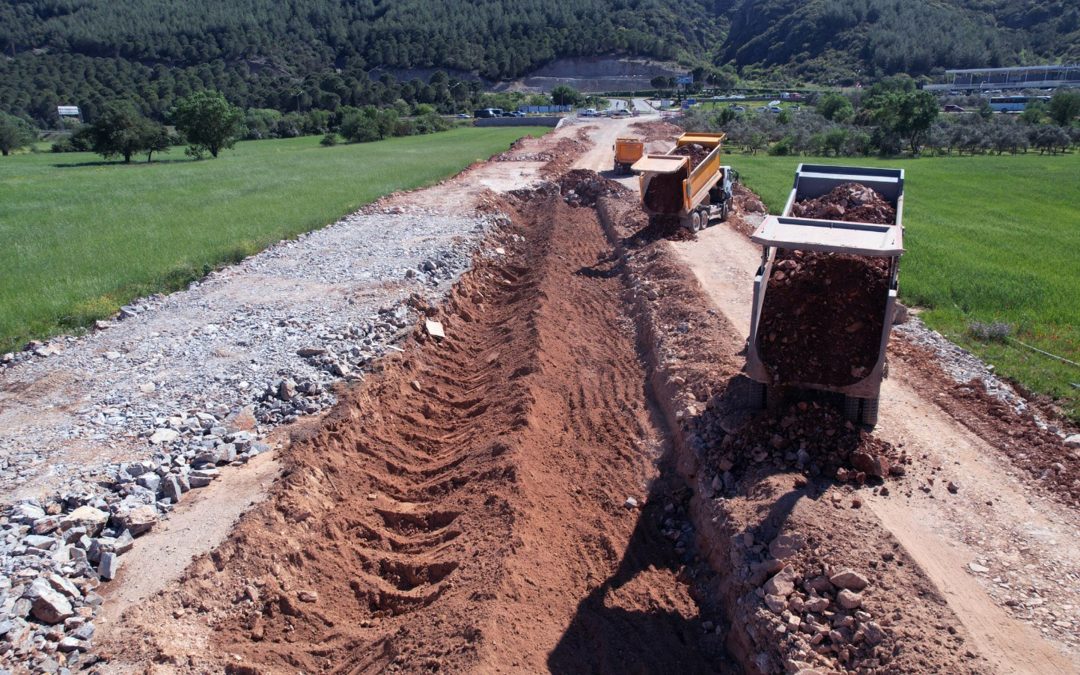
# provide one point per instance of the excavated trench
(502, 500)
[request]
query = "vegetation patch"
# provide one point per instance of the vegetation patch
(81, 237)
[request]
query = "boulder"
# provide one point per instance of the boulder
(849, 579)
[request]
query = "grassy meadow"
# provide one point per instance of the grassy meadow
(988, 239)
(80, 237)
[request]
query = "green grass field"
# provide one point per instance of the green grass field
(79, 238)
(988, 239)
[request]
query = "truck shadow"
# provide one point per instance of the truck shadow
(604, 637)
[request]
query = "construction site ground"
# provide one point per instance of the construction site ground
(534, 491)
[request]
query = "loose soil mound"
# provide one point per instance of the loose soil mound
(657, 131)
(822, 318)
(851, 202)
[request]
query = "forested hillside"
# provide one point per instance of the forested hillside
(320, 53)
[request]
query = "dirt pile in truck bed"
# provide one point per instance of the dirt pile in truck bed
(695, 152)
(822, 318)
(851, 202)
(664, 194)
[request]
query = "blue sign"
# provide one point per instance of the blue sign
(685, 79)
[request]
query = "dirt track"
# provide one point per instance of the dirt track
(464, 509)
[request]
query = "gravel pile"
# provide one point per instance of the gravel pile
(102, 435)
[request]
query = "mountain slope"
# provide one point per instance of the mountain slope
(319, 53)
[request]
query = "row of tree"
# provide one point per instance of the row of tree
(892, 117)
(205, 121)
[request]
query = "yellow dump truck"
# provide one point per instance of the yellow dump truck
(687, 183)
(627, 151)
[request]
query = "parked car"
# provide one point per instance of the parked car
(589, 112)
(951, 108)
(463, 116)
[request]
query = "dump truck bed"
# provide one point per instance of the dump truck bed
(683, 189)
(784, 232)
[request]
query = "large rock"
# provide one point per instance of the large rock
(26, 513)
(86, 516)
(872, 465)
(47, 604)
(109, 566)
(783, 583)
(785, 545)
(139, 520)
(164, 436)
(848, 599)
(849, 579)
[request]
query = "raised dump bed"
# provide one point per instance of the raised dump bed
(825, 293)
(627, 151)
(687, 183)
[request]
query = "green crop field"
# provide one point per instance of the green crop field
(988, 239)
(79, 238)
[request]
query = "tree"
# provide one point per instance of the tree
(905, 113)
(1033, 112)
(14, 133)
(564, 95)
(1064, 107)
(209, 122)
(835, 107)
(158, 139)
(659, 82)
(120, 131)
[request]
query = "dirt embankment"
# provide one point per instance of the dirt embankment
(466, 509)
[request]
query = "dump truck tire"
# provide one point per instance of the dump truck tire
(870, 411)
(695, 221)
(755, 395)
(852, 405)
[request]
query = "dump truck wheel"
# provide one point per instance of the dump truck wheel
(870, 411)
(852, 405)
(695, 221)
(774, 397)
(704, 217)
(725, 210)
(755, 395)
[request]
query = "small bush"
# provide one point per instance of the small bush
(995, 331)
(329, 140)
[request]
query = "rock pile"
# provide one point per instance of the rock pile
(852, 202)
(816, 611)
(582, 187)
(811, 437)
(823, 316)
(55, 552)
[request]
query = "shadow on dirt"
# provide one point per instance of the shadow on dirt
(606, 638)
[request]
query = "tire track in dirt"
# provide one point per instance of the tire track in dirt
(463, 509)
